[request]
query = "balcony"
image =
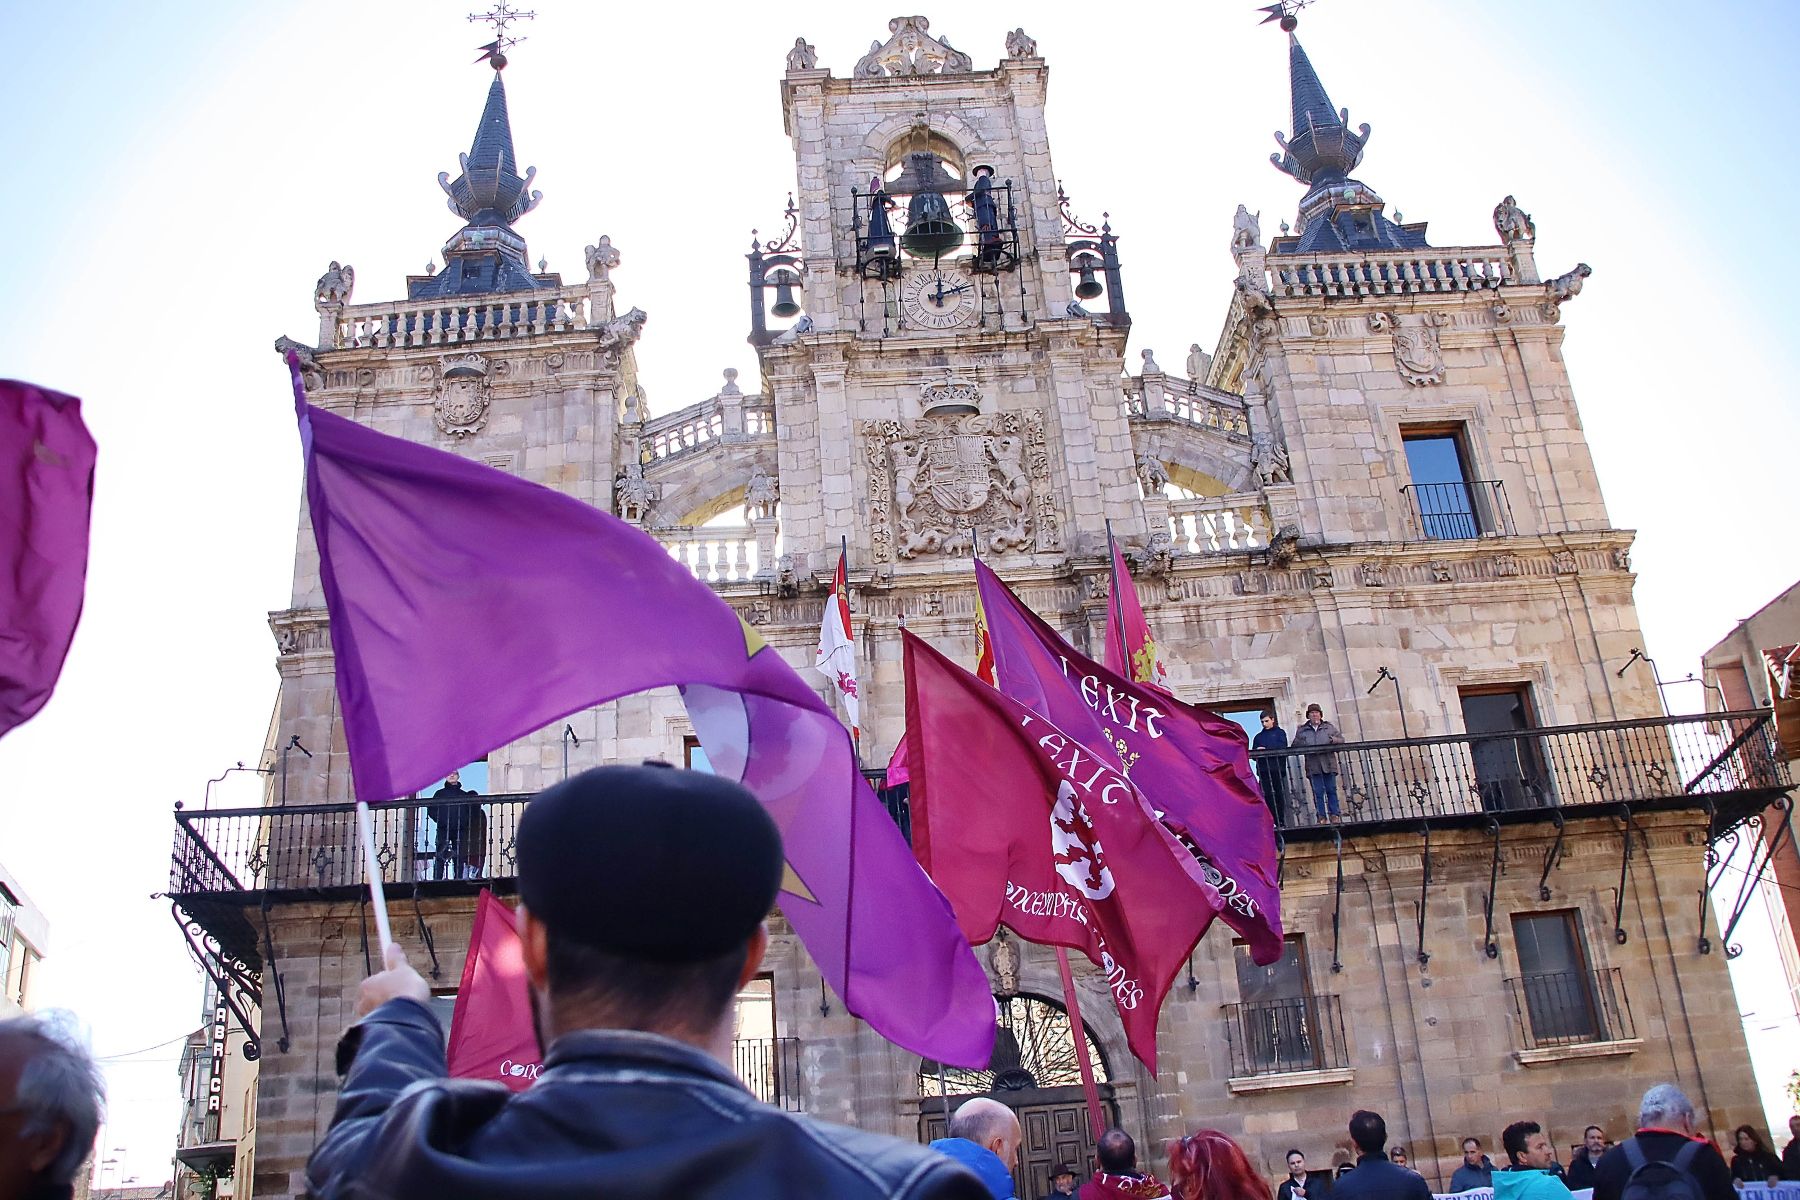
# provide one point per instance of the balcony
(1724, 762)
(1571, 1014)
(770, 1068)
(1301, 1036)
(1476, 508)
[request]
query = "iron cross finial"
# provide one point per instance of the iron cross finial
(502, 15)
(1285, 11)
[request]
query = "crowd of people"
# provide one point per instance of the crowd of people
(633, 1000)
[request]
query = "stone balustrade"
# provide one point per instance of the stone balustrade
(722, 553)
(1212, 524)
(1153, 396)
(729, 415)
(1393, 274)
(456, 321)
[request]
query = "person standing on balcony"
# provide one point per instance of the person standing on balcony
(1271, 772)
(452, 821)
(644, 893)
(1316, 737)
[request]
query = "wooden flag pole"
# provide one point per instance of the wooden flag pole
(365, 825)
(1088, 1088)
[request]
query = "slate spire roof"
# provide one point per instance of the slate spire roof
(486, 255)
(1338, 213)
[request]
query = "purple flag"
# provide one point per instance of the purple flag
(470, 608)
(46, 495)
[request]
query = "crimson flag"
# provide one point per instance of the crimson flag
(491, 1034)
(1130, 650)
(1191, 764)
(1019, 825)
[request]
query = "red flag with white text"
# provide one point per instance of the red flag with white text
(491, 1034)
(1019, 825)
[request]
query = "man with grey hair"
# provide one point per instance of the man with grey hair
(984, 1137)
(1666, 1158)
(50, 1098)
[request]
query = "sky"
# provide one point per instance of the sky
(181, 174)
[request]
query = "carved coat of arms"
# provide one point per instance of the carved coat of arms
(1418, 355)
(939, 483)
(460, 400)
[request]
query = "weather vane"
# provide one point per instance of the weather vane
(1285, 11)
(503, 14)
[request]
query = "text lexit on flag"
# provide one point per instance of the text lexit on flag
(470, 608)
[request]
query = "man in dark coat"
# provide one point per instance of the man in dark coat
(1593, 1149)
(453, 827)
(1317, 736)
(1271, 772)
(1665, 1128)
(1790, 1157)
(1375, 1178)
(643, 896)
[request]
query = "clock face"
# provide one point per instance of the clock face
(937, 298)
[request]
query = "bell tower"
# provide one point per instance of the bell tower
(951, 378)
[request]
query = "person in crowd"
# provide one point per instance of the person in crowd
(984, 1137)
(1300, 1183)
(1317, 736)
(51, 1096)
(1529, 1158)
(1790, 1156)
(1062, 1182)
(1118, 1177)
(1666, 1134)
(1375, 1178)
(1397, 1156)
(1581, 1170)
(452, 821)
(633, 1000)
(1271, 772)
(1207, 1165)
(1477, 1170)
(1753, 1162)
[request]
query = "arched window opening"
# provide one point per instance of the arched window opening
(1034, 1048)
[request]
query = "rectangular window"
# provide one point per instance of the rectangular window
(1442, 492)
(1247, 713)
(693, 755)
(1509, 771)
(1554, 980)
(1277, 1022)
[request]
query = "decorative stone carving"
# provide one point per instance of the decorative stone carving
(1150, 367)
(1019, 44)
(1099, 585)
(334, 287)
(1506, 565)
(1371, 575)
(633, 494)
(949, 392)
(910, 50)
(460, 398)
(299, 631)
(761, 494)
(731, 387)
(933, 603)
(1513, 223)
(303, 352)
(1418, 356)
(1270, 460)
(602, 257)
(937, 483)
(1380, 322)
(1563, 562)
(1152, 474)
(787, 580)
(1318, 326)
(1003, 958)
(618, 334)
(1246, 230)
(1621, 559)
(759, 612)
(802, 57)
(1263, 331)
(1501, 312)
(1285, 546)
(1440, 571)
(1199, 363)
(1563, 288)
(1256, 298)
(1322, 579)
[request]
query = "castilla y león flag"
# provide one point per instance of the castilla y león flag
(46, 493)
(491, 1035)
(1019, 825)
(1193, 766)
(470, 608)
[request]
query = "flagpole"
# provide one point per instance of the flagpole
(377, 891)
(1089, 1089)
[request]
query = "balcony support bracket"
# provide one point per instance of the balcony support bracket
(437, 971)
(1762, 857)
(1489, 945)
(1552, 857)
(235, 979)
(1714, 870)
(1619, 934)
(1337, 911)
(1424, 890)
(273, 968)
(1280, 858)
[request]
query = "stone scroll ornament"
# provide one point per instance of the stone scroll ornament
(938, 483)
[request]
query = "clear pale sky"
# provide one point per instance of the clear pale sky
(181, 173)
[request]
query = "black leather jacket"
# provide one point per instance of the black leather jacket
(628, 1116)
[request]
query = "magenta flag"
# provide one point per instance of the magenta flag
(1130, 650)
(1191, 764)
(46, 497)
(470, 608)
(491, 1033)
(1021, 826)
(897, 771)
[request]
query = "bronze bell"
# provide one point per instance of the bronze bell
(1088, 287)
(931, 231)
(785, 305)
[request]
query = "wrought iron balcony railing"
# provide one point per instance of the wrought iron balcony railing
(1571, 1008)
(1726, 761)
(770, 1068)
(1473, 509)
(1278, 1037)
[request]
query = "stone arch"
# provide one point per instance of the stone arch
(697, 486)
(1193, 455)
(950, 127)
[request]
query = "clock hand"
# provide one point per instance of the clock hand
(952, 291)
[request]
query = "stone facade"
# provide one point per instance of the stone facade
(1282, 558)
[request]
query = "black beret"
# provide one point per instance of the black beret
(649, 862)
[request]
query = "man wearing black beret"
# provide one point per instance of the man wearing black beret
(643, 893)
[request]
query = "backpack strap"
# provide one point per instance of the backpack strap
(1684, 1160)
(1634, 1153)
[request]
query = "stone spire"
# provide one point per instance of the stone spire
(1337, 212)
(485, 255)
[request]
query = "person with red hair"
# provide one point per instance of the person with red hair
(1207, 1165)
